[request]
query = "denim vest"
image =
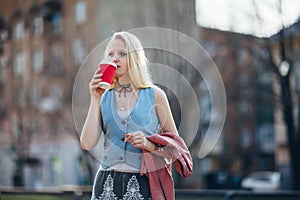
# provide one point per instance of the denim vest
(142, 118)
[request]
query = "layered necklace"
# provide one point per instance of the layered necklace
(125, 89)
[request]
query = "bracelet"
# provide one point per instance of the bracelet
(159, 148)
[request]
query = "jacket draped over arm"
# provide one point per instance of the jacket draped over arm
(159, 169)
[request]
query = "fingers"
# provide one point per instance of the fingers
(137, 139)
(95, 88)
(96, 79)
(131, 137)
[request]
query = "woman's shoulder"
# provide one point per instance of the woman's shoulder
(157, 90)
(159, 94)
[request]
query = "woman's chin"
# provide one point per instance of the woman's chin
(119, 74)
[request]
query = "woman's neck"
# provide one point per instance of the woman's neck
(125, 79)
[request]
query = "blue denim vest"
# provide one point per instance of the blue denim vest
(142, 118)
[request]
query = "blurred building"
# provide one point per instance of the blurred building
(45, 42)
(254, 137)
(291, 36)
(44, 45)
(247, 142)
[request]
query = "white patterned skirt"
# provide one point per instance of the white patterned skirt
(114, 185)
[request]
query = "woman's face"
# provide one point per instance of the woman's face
(117, 53)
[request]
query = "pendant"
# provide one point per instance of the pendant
(122, 109)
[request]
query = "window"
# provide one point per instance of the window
(297, 72)
(57, 23)
(1, 77)
(19, 96)
(243, 56)
(80, 12)
(79, 51)
(52, 102)
(266, 137)
(205, 103)
(56, 59)
(52, 15)
(37, 60)
(19, 30)
(38, 26)
(3, 36)
(56, 91)
(3, 61)
(245, 138)
(36, 93)
(265, 79)
(243, 81)
(298, 114)
(244, 107)
(265, 111)
(210, 47)
(205, 107)
(19, 64)
(56, 170)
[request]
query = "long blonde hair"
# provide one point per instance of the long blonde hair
(137, 61)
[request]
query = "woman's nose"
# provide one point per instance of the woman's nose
(115, 59)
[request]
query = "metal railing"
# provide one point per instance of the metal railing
(236, 195)
(84, 193)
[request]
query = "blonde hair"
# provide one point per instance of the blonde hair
(137, 61)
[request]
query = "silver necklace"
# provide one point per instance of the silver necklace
(126, 88)
(125, 101)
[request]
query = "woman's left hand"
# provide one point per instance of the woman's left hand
(138, 140)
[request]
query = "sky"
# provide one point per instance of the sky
(261, 18)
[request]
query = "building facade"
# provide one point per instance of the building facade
(43, 46)
(255, 137)
(46, 42)
(247, 142)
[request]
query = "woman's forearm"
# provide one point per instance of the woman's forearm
(158, 150)
(91, 130)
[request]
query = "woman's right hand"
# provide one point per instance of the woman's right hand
(95, 90)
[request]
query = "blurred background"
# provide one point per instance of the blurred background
(255, 45)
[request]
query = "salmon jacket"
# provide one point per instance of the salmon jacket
(159, 169)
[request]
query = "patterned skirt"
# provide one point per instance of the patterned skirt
(114, 185)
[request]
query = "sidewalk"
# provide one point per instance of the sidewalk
(72, 192)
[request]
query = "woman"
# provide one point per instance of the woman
(132, 110)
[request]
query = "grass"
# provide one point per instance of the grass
(35, 197)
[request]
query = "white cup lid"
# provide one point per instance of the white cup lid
(104, 85)
(108, 62)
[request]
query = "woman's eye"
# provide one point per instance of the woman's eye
(123, 54)
(111, 54)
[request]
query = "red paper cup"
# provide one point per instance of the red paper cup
(107, 69)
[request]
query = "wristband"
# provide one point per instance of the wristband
(159, 148)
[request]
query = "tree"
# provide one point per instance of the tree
(280, 56)
(283, 70)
